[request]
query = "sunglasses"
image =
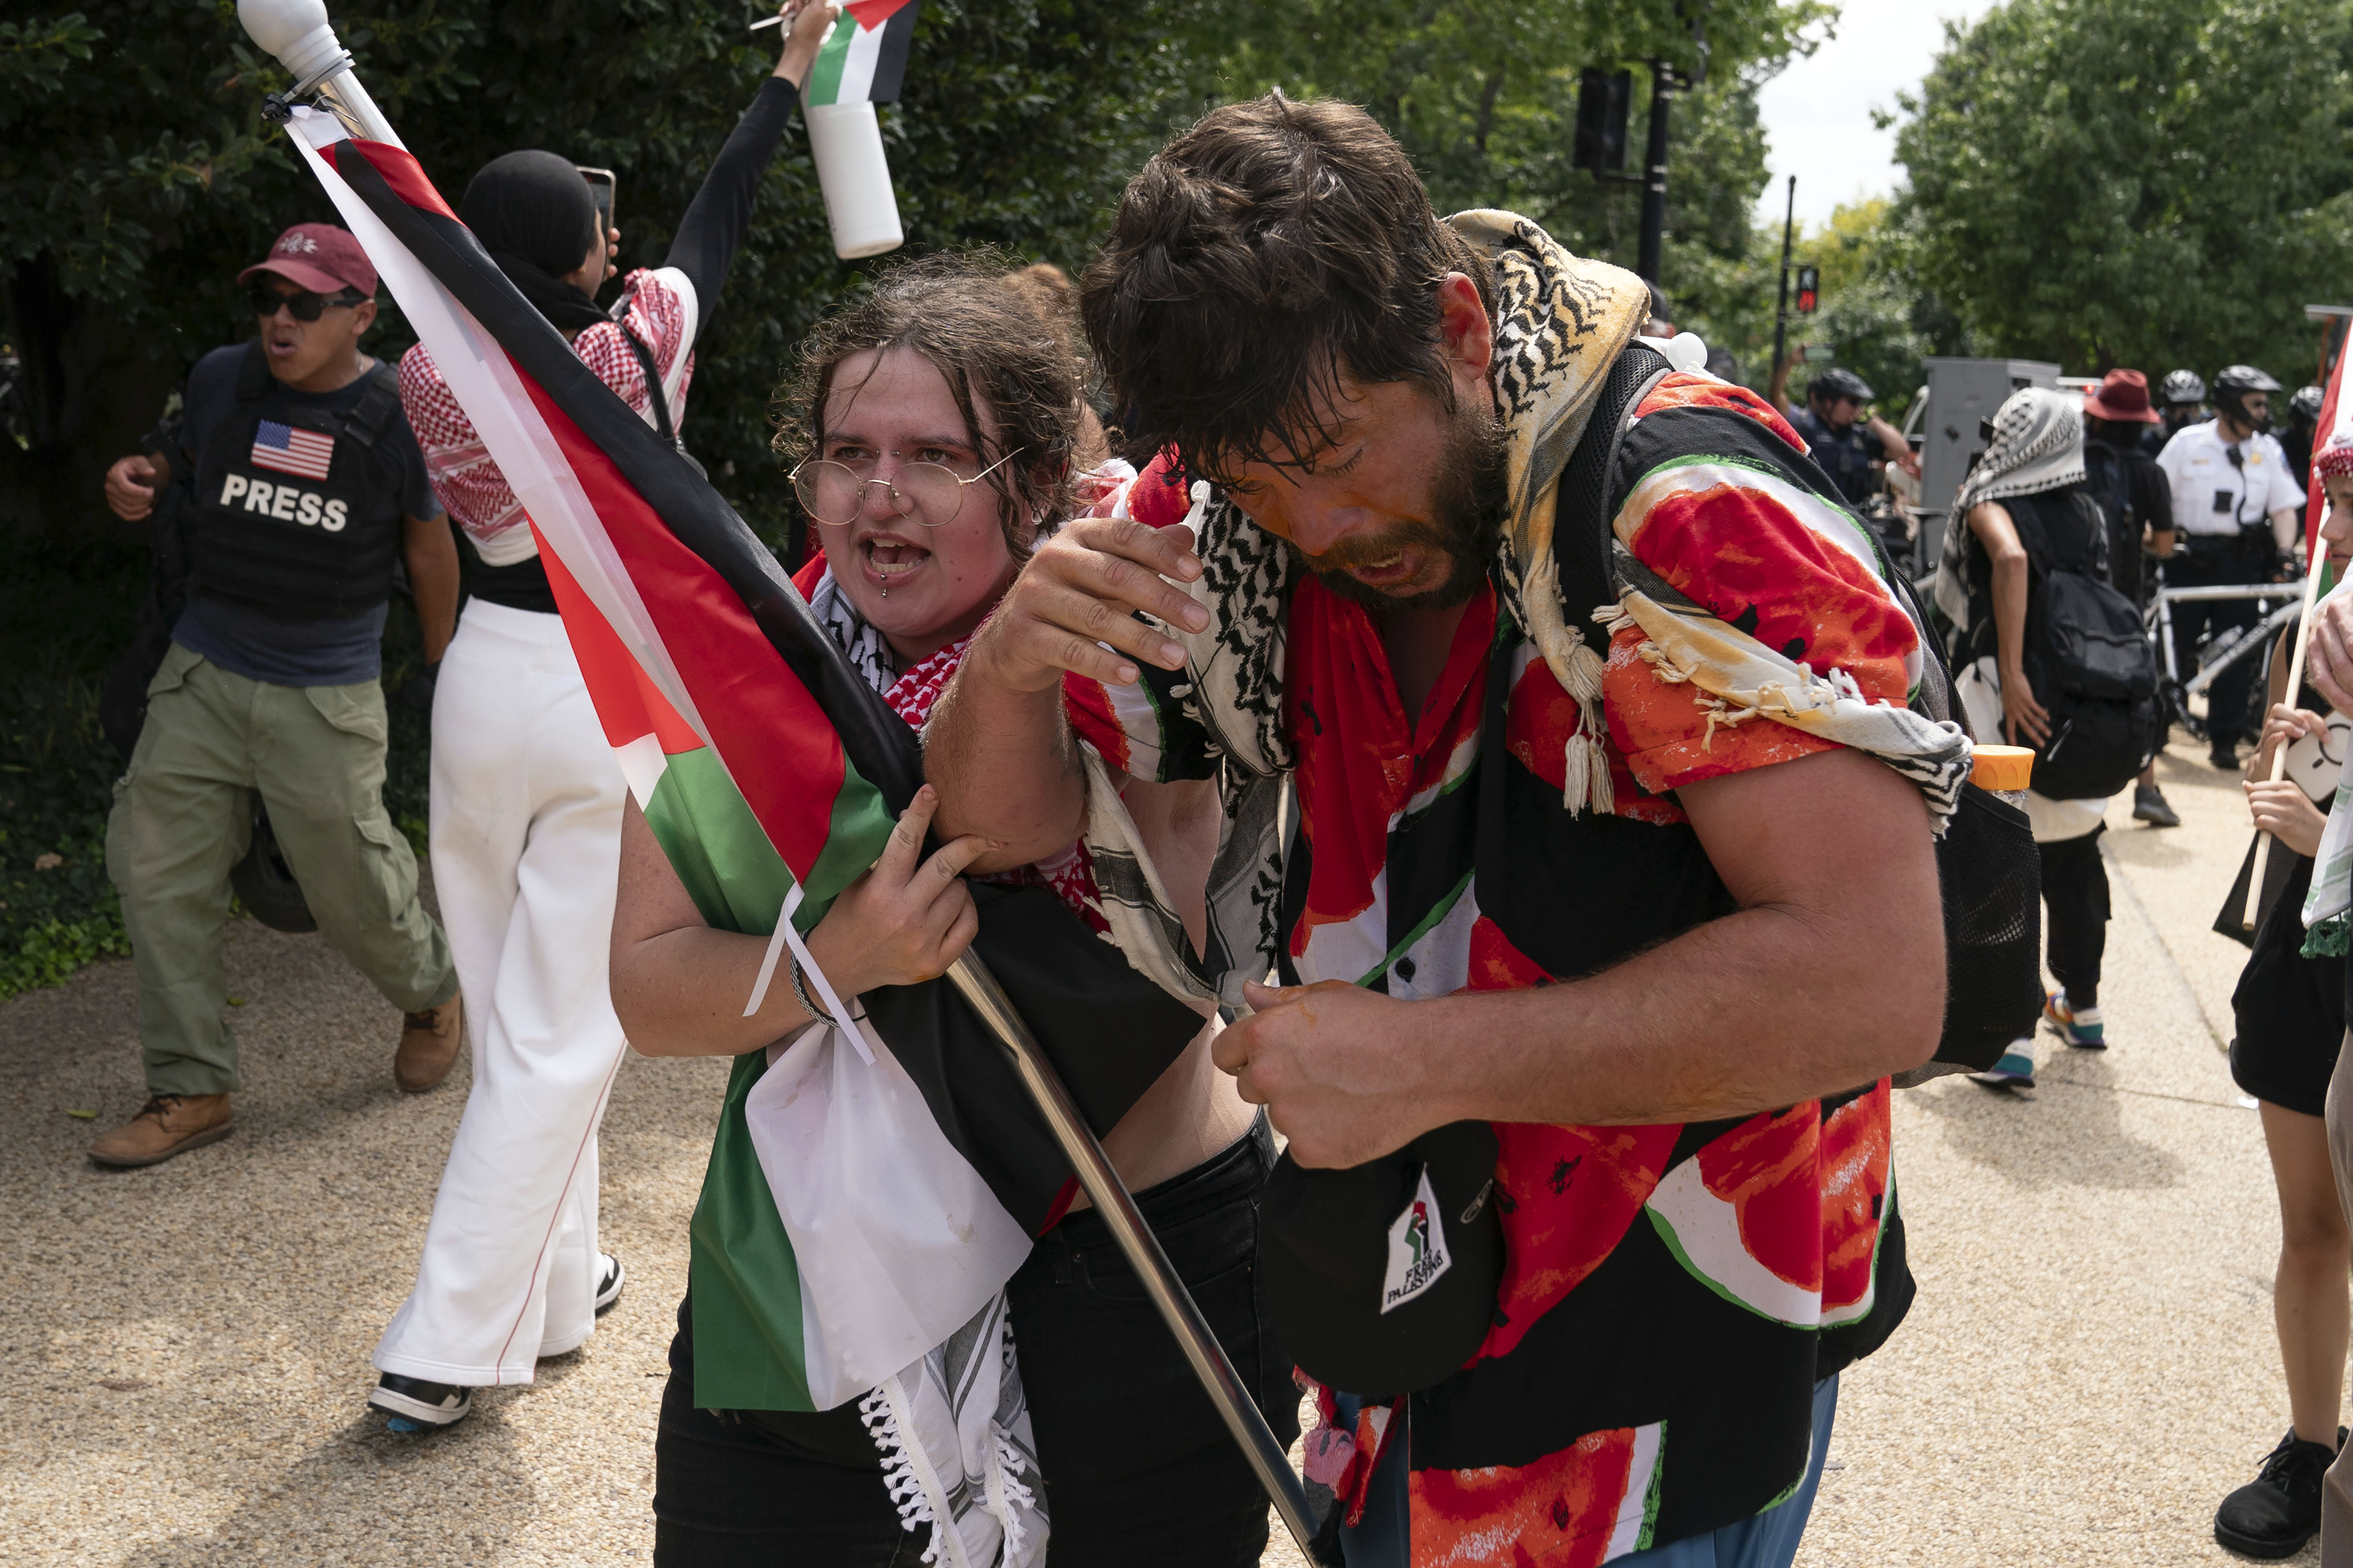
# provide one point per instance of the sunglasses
(305, 305)
(834, 494)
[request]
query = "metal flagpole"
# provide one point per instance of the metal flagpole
(1135, 1239)
(2318, 563)
(299, 33)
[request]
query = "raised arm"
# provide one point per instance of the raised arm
(714, 225)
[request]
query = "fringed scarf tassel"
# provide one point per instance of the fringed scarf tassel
(1585, 783)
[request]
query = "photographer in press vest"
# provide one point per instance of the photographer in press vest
(305, 485)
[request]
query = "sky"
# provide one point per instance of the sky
(1817, 113)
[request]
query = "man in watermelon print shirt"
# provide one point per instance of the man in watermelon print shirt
(1652, 892)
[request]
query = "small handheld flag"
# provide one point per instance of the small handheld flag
(281, 449)
(864, 57)
(859, 65)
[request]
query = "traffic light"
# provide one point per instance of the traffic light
(1602, 99)
(1810, 289)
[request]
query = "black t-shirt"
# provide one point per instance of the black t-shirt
(2135, 494)
(250, 642)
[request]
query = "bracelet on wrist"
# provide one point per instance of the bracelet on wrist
(800, 993)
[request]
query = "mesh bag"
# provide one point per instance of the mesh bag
(1991, 881)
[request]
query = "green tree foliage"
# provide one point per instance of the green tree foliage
(1484, 97)
(2147, 182)
(136, 180)
(1876, 319)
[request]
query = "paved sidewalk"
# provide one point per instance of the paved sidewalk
(2090, 1366)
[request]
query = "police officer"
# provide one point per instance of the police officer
(1831, 424)
(305, 485)
(2181, 397)
(2236, 508)
(2296, 439)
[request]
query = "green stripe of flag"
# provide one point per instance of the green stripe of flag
(750, 1353)
(825, 75)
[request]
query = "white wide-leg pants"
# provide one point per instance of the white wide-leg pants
(526, 849)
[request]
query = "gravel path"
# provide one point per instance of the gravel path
(2089, 1368)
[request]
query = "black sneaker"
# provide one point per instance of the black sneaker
(2224, 756)
(416, 1406)
(2149, 805)
(610, 1282)
(2275, 1514)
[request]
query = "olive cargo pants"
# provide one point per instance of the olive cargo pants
(180, 823)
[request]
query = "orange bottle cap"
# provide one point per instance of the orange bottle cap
(2002, 767)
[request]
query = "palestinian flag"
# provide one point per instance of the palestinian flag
(2335, 419)
(771, 774)
(864, 58)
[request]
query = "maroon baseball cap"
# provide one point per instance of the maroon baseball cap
(2122, 395)
(318, 256)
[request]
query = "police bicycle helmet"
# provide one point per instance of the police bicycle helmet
(2230, 388)
(2304, 408)
(1840, 382)
(2182, 387)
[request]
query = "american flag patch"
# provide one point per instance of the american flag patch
(287, 450)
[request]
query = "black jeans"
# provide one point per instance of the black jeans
(1138, 1468)
(2075, 900)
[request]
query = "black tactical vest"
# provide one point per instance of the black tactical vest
(1844, 457)
(271, 535)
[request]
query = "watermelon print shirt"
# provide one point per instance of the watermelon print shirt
(1671, 1294)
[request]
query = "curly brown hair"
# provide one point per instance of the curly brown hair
(994, 349)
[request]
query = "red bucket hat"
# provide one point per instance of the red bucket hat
(2122, 395)
(318, 256)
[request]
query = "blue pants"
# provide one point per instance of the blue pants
(1766, 1540)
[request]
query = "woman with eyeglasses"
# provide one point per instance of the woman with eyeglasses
(937, 425)
(526, 802)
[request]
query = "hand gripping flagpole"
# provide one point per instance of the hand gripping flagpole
(2319, 562)
(299, 33)
(1111, 1197)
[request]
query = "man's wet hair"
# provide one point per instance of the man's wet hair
(1267, 252)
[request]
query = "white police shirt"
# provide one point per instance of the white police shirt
(2214, 497)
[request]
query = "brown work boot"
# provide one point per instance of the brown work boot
(166, 1125)
(428, 1043)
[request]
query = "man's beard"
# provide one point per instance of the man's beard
(1468, 495)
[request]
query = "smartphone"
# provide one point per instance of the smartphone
(600, 189)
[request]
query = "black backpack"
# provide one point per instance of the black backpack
(2086, 655)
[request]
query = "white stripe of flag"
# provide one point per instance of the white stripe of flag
(286, 450)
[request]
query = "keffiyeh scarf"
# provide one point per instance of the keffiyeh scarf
(1560, 324)
(2038, 446)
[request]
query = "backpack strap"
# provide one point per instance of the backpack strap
(655, 394)
(1583, 544)
(367, 421)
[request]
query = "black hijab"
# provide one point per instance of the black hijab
(534, 214)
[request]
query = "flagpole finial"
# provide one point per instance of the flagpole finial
(299, 33)
(296, 31)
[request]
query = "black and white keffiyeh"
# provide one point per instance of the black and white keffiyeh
(2038, 446)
